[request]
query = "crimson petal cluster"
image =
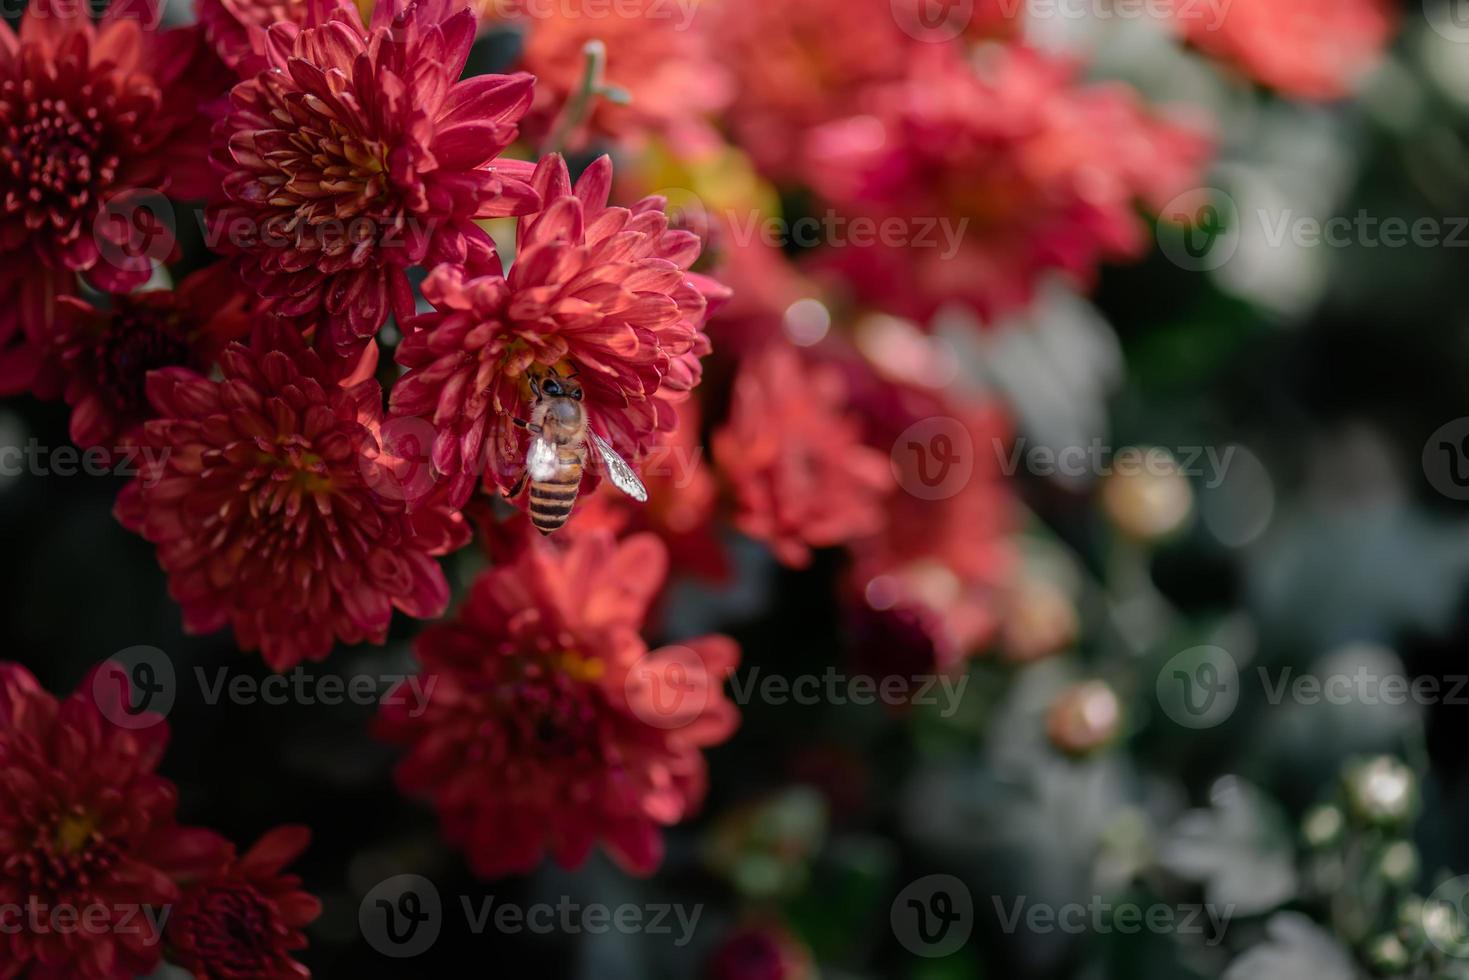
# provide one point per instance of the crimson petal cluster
(355, 154)
(545, 731)
(601, 291)
(274, 505)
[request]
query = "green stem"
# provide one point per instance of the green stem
(579, 106)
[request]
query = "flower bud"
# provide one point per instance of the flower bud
(1322, 826)
(1388, 955)
(1146, 496)
(1084, 718)
(1382, 791)
(1040, 621)
(1398, 864)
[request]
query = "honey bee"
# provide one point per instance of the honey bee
(558, 453)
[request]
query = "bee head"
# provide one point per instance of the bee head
(554, 387)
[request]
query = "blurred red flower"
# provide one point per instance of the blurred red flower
(267, 496)
(237, 28)
(546, 727)
(764, 285)
(683, 502)
(798, 65)
(943, 555)
(603, 291)
(792, 454)
(357, 154)
(657, 53)
(761, 951)
(1309, 49)
(90, 854)
(244, 920)
(976, 182)
(104, 356)
(96, 121)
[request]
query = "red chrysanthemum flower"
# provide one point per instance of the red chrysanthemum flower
(764, 288)
(943, 557)
(657, 53)
(244, 921)
(682, 507)
(357, 154)
(276, 509)
(549, 725)
(90, 854)
(601, 291)
(1310, 49)
(1031, 173)
(236, 28)
(797, 65)
(96, 120)
(761, 950)
(793, 455)
(104, 356)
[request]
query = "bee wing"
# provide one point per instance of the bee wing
(541, 461)
(620, 473)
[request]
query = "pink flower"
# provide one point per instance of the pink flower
(792, 454)
(601, 291)
(1309, 49)
(798, 65)
(87, 830)
(104, 356)
(548, 727)
(658, 53)
(943, 556)
(96, 121)
(358, 154)
(237, 28)
(243, 921)
(986, 180)
(277, 511)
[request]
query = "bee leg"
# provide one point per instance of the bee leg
(528, 426)
(519, 487)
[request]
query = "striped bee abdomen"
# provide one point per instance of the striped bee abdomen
(551, 500)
